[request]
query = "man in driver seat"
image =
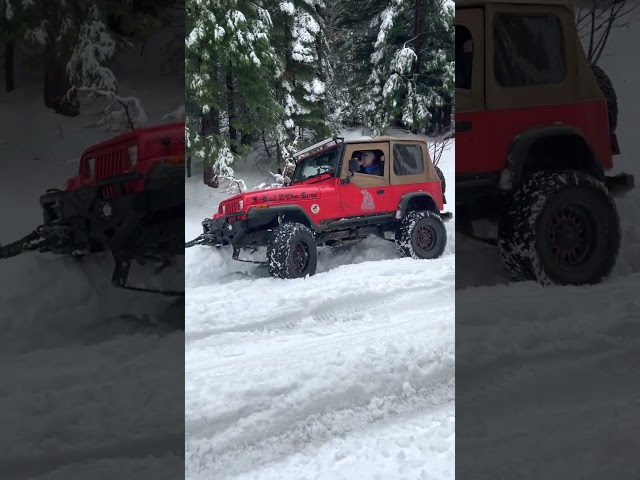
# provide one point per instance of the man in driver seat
(369, 165)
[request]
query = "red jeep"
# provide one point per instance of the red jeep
(535, 128)
(127, 198)
(342, 193)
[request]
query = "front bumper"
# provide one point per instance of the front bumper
(222, 231)
(620, 184)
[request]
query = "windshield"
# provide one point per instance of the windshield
(324, 162)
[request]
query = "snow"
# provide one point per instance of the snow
(89, 388)
(548, 383)
(347, 374)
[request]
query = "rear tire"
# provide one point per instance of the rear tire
(421, 235)
(560, 228)
(292, 252)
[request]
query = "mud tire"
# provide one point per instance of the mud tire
(605, 84)
(550, 208)
(443, 180)
(288, 244)
(421, 235)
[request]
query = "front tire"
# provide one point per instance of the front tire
(421, 235)
(560, 228)
(292, 252)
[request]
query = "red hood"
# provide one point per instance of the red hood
(299, 192)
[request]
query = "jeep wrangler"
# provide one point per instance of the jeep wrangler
(340, 192)
(127, 199)
(535, 127)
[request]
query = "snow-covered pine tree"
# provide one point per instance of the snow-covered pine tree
(229, 59)
(400, 61)
(74, 42)
(298, 39)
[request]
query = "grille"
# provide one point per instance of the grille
(110, 164)
(232, 207)
(229, 209)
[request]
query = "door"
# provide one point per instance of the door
(366, 194)
(470, 122)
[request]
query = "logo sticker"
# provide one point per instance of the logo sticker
(368, 204)
(315, 208)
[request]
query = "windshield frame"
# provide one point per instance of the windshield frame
(334, 174)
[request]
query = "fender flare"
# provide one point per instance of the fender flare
(258, 217)
(521, 145)
(404, 201)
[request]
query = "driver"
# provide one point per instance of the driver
(369, 165)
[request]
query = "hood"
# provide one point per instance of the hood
(271, 196)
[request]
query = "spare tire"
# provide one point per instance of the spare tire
(443, 181)
(610, 94)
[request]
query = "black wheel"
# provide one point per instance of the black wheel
(292, 252)
(443, 180)
(604, 82)
(421, 235)
(560, 228)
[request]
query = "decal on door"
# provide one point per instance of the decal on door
(315, 209)
(368, 203)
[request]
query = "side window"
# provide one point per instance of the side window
(464, 57)
(529, 49)
(371, 162)
(407, 160)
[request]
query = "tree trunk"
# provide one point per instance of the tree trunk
(188, 166)
(9, 51)
(56, 84)
(418, 32)
(233, 134)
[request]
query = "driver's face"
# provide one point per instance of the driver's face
(367, 160)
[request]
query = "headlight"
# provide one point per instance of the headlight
(133, 155)
(91, 167)
(241, 204)
(224, 209)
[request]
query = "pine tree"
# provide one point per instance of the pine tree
(229, 56)
(400, 62)
(298, 42)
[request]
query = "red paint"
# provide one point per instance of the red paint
(485, 148)
(112, 156)
(335, 201)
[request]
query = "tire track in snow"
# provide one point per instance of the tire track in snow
(203, 461)
(283, 387)
(224, 309)
(351, 310)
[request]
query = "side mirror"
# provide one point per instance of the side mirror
(354, 165)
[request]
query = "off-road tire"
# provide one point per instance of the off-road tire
(531, 230)
(443, 180)
(421, 235)
(283, 251)
(610, 94)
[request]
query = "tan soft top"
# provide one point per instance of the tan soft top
(386, 138)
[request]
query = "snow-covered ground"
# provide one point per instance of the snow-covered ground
(548, 381)
(344, 375)
(84, 382)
